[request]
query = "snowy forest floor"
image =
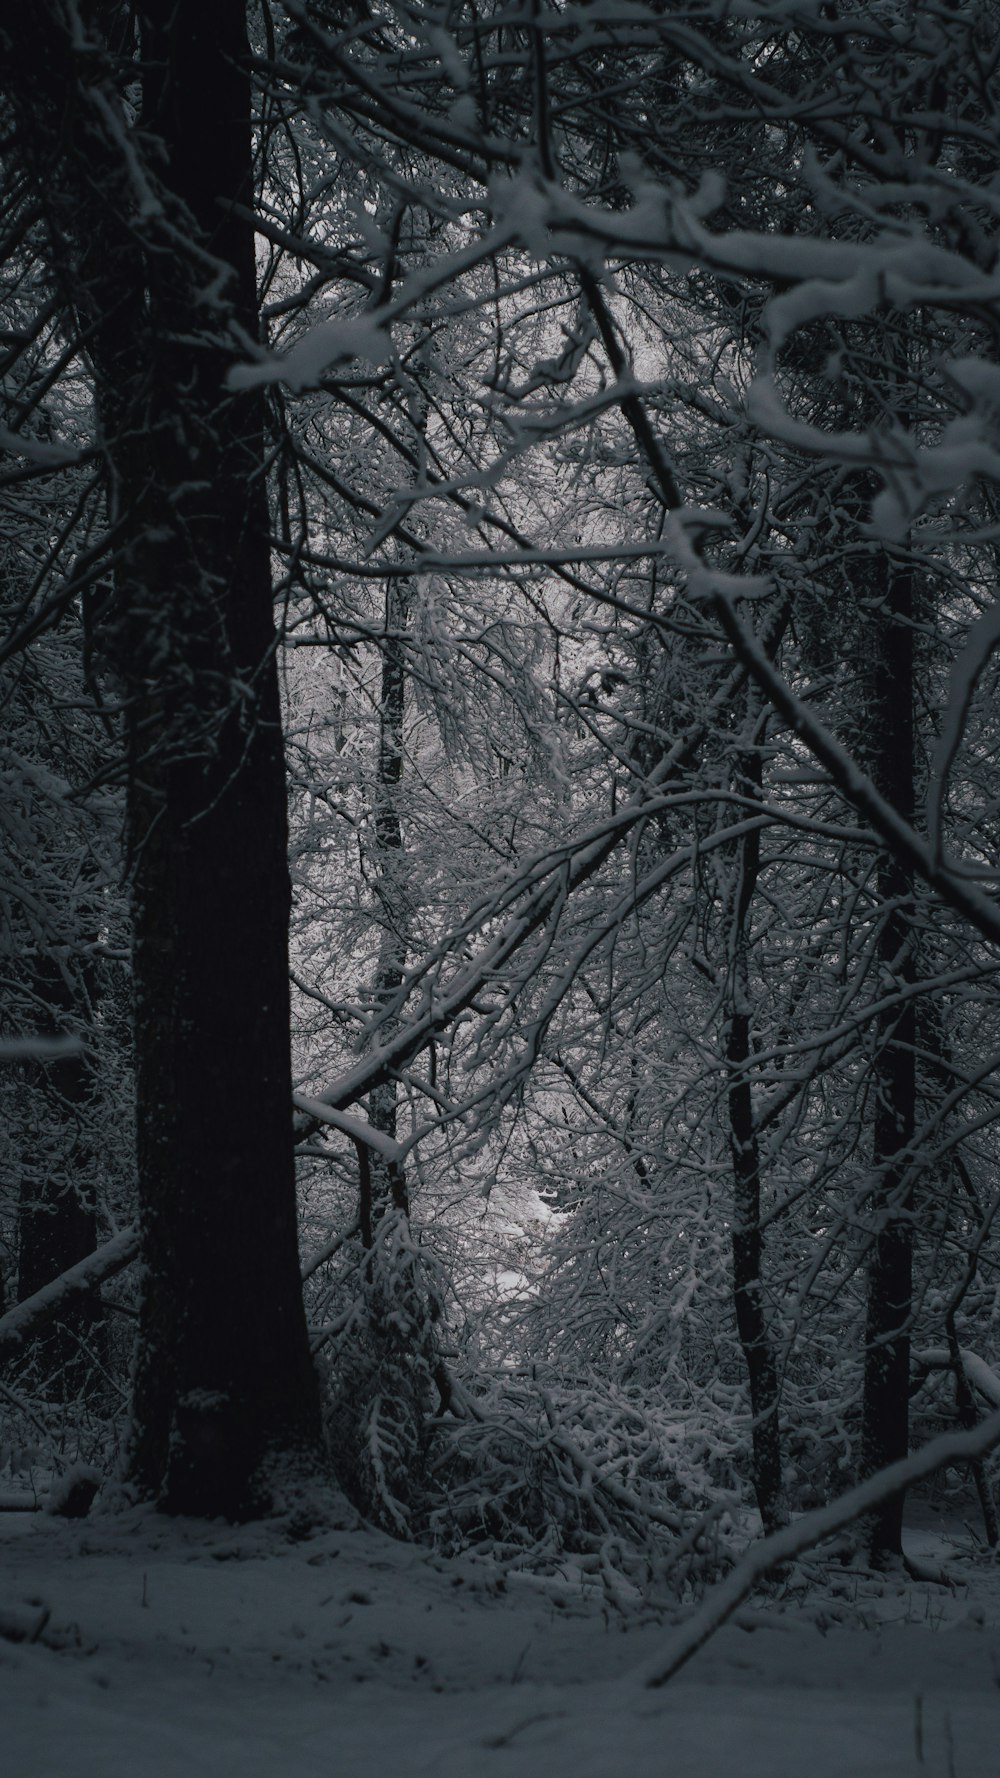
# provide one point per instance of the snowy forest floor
(202, 1651)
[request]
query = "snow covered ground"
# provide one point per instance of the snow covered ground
(204, 1651)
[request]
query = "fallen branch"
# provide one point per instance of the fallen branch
(793, 1540)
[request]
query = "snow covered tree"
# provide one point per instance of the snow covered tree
(626, 391)
(817, 240)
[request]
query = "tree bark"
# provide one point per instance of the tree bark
(224, 1382)
(144, 234)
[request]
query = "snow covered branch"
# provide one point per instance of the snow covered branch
(28, 1318)
(793, 1540)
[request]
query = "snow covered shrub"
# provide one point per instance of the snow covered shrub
(544, 1469)
(383, 1382)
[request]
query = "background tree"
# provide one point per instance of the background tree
(726, 86)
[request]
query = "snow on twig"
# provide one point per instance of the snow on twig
(980, 1374)
(983, 638)
(357, 1128)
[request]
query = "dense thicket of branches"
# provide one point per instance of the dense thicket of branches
(618, 409)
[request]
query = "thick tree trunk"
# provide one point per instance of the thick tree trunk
(224, 1382)
(148, 250)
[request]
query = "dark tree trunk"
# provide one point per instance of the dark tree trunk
(151, 254)
(747, 1237)
(224, 1381)
(387, 1182)
(57, 1224)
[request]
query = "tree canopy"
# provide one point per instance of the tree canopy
(499, 599)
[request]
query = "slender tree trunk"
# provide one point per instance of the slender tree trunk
(747, 1238)
(885, 1410)
(394, 1380)
(387, 1185)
